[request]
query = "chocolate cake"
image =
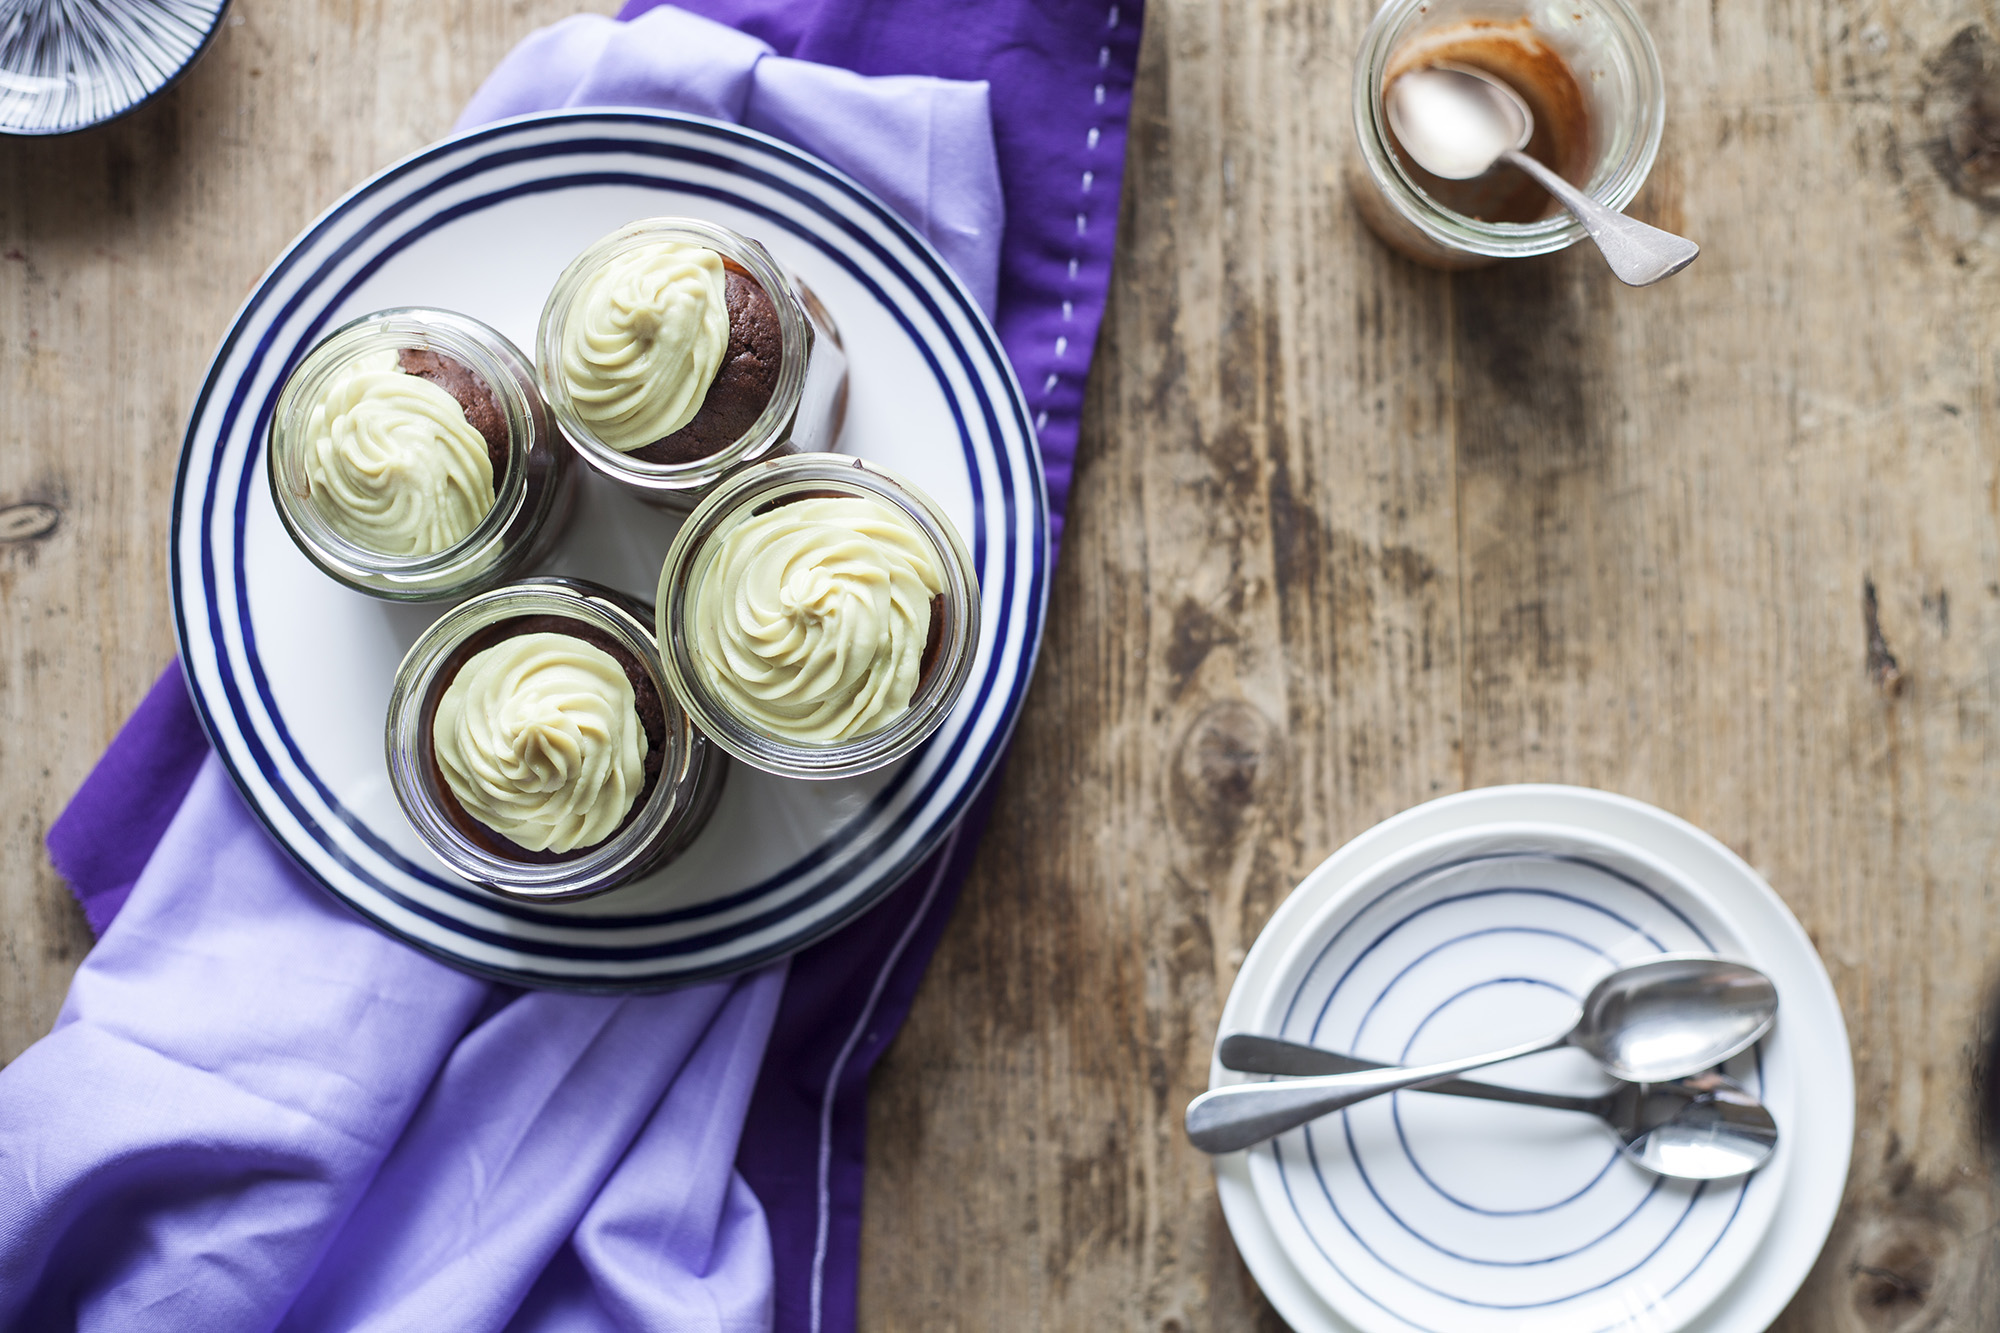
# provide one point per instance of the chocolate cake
(475, 398)
(744, 382)
(933, 641)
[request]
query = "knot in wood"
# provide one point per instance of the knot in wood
(1962, 106)
(1893, 1282)
(1224, 757)
(1907, 1263)
(28, 522)
(1882, 666)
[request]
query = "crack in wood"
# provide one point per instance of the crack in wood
(1892, 1279)
(1883, 668)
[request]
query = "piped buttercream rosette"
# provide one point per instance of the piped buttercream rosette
(392, 463)
(540, 740)
(811, 619)
(643, 340)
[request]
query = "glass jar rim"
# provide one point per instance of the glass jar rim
(771, 425)
(1613, 184)
(409, 744)
(687, 560)
(472, 344)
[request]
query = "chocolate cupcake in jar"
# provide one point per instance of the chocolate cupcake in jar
(411, 457)
(818, 616)
(535, 747)
(675, 351)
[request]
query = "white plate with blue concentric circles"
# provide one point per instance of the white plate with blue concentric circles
(292, 673)
(1473, 922)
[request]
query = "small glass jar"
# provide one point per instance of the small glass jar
(669, 815)
(1623, 108)
(767, 486)
(807, 404)
(532, 495)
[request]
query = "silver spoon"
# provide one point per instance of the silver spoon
(1457, 122)
(1703, 1128)
(1666, 1018)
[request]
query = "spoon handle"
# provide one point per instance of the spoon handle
(1225, 1119)
(1638, 254)
(1250, 1054)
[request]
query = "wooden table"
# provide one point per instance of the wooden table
(1346, 535)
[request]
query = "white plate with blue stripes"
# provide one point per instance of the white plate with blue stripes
(1475, 922)
(292, 672)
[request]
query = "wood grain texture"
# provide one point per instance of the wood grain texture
(1347, 534)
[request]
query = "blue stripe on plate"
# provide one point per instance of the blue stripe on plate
(1396, 1114)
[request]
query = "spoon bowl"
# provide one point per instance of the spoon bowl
(1457, 122)
(1635, 1021)
(1703, 1128)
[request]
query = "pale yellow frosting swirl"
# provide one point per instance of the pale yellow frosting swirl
(811, 619)
(393, 465)
(539, 739)
(642, 341)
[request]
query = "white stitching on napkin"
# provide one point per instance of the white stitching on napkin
(840, 1064)
(1082, 229)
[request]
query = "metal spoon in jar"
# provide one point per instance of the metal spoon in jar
(1457, 122)
(1651, 1022)
(1702, 1128)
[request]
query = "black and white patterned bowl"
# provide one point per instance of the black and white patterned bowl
(66, 65)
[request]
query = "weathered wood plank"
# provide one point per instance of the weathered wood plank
(1348, 534)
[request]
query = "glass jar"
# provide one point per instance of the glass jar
(767, 486)
(1623, 108)
(807, 404)
(532, 493)
(669, 815)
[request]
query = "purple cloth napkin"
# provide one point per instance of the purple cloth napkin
(257, 1112)
(924, 144)
(1061, 78)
